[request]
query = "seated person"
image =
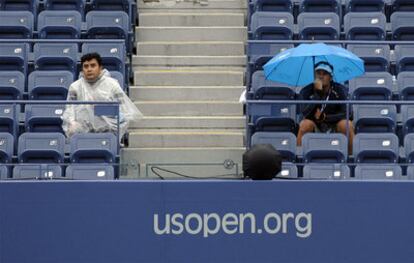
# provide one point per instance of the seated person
(95, 84)
(325, 117)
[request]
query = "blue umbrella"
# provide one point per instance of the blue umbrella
(295, 66)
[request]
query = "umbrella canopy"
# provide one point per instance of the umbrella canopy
(295, 66)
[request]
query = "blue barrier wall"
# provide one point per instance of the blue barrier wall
(213, 221)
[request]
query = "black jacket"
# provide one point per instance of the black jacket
(334, 112)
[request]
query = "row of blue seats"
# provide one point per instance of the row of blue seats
(333, 147)
(60, 56)
(82, 6)
(366, 118)
(327, 26)
(67, 25)
(344, 172)
(370, 86)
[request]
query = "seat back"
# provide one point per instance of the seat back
(44, 118)
(93, 148)
(59, 24)
(325, 148)
(407, 116)
(376, 148)
(371, 86)
(273, 5)
(14, 57)
(265, 89)
(289, 170)
(375, 118)
(402, 5)
(11, 85)
(56, 56)
(404, 58)
(273, 117)
(49, 85)
(365, 5)
(402, 26)
(272, 25)
(41, 147)
(376, 57)
(284, 142)
(9, 118)
(37, 171)
(406, 85)
(378, 172)
(78, 5)
(326, 171)
(365, 26)
(6, 147)
(20, 5)
(320, 6)
(90, 172)
(16, 24)
(318, 26)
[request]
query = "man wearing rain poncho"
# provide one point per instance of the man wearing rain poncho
(95, 84)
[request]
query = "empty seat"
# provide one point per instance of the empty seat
(93, 148)
(325, 148)
(9, 118)
(119, 77)
(365, 26)
(326, 171)
(260, 53)
(402, 5)
(404, 58)
(37, 171)
(11, 85)
(406, 85)
(365, 5)
(113, 55)
(284, 142)
(4, 172)
(16, 24)
(263, 89)
(59, 24)
(70, 5)
(41, 147)
(371, 86)
(378, 172)
(272, 117)
(49, 85)
(6, 147)
(318, 26)
(272, 25)
(56, 56)
(273, 5)
(407, 116)
(128, 6)
(14, 57)
(376, 57)
(320, 6)
(289, 170)
(90, 172)
(375, 118)
(376, 148)
(44, 118)
(402, 26)
(19, 5)
(410, 172)
(409, 147)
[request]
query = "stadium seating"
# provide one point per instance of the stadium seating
(90, 172)
(409, 147)
(273, 5)
(128, 6)
(376, 56)
(325, 148)
(365, 26)
(289, 170)
(93, 148)
(402, 26)
(371, 86)
(402, 5)
(407, 116)
(376, 148)
(378, 172)
(49, 85)
(19, 5)
(6, 147)
(14, 57)
(406, 85)
(119, 77)
(284, 142)
(265, 89)
(37, 171)
(365, 5)
(9, 118)
(404, 58)
(326, 171)
(56, 56)
(410, 172)
(41, 147)
(16, 24)
(273, 117)
(259, 53)
(44, 118)
(320, 6)
(70, 5)
(4, 172)
(272, 25)
(375, 118)
(11, 85)
(318, 26)
(59, 24)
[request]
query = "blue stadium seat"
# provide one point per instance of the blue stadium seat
(259, 53)
(9, 118)
(407, 116)
(289, 170)
(264, 89)
(119, 77)
(19, 5)
(402, 5)
(44, 118)
(402, 26)
(14, 56)
(409, 147)
(375, 118)
(272, 25)
(37, 171)
(371, 86)
(404, 58)
(4, 172)
(59, 24)
(365, 26)
(70, 5)
(273, 5)
(90, 172)
(113, 55)
(272, 117)
(406, 85)
(320, 6)
(325, 148)
(365, 5)
(11, 85)
(376, 56)
(378, 172)
(93, 148)
(318, 26)
(45, 147)
(410, 172)
(326, 171)
(376, 148)
(284, 142)
(6, 147)
(56, 56)
(16, 24)
(49, 85)
(128, 6)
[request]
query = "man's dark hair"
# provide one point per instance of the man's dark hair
(91, 56)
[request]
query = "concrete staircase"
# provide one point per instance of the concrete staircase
(188, 76)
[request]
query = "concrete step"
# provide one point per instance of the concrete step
(191, 19)
(194, 122)
(184, 77)
(177, 93)
(211, 48)
(189, 60)
(191, 6)
(191, 33)
(185, 138)
(197, 162)
(190, 108)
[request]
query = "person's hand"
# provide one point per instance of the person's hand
(317, 85)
